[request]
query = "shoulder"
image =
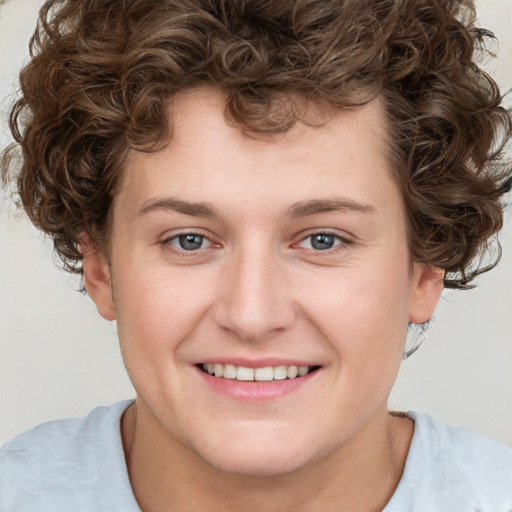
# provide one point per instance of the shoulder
(60, 460)
(50, 441)
(476, 456)
(454, 468)
(462, 438)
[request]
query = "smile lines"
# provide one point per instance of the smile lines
(268, 373)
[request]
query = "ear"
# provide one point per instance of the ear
(97, 278)
(427, 286)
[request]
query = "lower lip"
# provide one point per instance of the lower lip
(256, 391)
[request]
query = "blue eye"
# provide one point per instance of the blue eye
(320, 241)
(189, 242)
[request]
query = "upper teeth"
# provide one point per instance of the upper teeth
(230, 371)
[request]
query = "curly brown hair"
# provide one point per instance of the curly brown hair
(102, 74)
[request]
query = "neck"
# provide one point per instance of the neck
(361, 476)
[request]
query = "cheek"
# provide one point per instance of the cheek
(157, 315)
(364, 316)
(157, 310)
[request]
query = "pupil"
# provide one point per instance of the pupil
(320, 242)
(190, 242)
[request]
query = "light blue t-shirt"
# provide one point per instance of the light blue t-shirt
(78, 465)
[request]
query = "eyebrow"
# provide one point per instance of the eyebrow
(180, 206)
(315, 206)
(296, 210)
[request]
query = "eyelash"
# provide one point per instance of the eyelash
(340, 243)
(168, 243)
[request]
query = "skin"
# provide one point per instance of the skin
(258, 289)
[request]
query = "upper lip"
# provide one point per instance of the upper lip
(257, 363)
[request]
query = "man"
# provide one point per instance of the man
(264, 196)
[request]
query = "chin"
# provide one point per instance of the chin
(256, 455)
(257, 464)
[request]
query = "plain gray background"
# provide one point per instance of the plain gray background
(58, 358)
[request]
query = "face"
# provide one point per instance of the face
(262, 258)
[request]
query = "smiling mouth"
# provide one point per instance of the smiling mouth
(265, 374)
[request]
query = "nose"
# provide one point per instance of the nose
(254, 300)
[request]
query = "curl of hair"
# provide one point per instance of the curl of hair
(103, 72)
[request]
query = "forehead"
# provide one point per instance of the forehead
(206, 108)
(210, 159)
